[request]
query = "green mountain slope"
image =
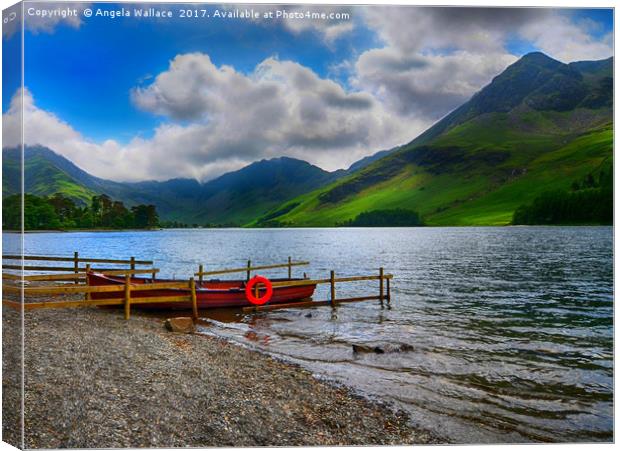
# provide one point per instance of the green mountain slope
(43, 177)
(538, 126)
(234, 198)
(240, 196)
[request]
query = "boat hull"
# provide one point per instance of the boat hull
(209, 294)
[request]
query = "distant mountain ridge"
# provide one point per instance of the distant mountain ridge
(233, 198)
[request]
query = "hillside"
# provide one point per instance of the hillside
(233, 198)
(539, 125)
(44, 176)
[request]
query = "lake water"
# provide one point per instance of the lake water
(510, 329)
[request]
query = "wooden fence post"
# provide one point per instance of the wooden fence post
(381, 285)
(200, 271)
(87, 295)
(127, 295)
(290, 269)
(192, 286)
(332, 282)
(132, 263)
(388, 296)
(249, 271)
(153, 279)
(76, 268)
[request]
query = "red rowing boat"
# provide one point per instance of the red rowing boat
(209, 293)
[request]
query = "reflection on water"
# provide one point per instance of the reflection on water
(508, 331)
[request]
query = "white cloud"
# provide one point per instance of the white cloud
(44, 128)
(11, 122)
(341, 23)
(44, 17)
(229, 120)
(167, 155)
(561, 38)
(329, 22)
(414, 30)
(281, 108)
(426, 86)
(436, 58)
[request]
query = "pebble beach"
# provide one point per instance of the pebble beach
(94, 380)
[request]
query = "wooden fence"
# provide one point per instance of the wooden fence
(126, 300)
(384, 291)
(75, 272)
(249, 268)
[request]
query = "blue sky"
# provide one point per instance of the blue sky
(95, 67)
(406, 66)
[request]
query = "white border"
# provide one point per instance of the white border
(480, 3)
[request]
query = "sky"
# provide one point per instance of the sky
(132, 99)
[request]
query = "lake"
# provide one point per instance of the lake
(509, 330)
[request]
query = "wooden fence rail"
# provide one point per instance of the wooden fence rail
(187, 288)
(76, 260)
(384, 291)
(130, 261)
(58, 268)
(75, 273)
(77, 276)
(249, 268)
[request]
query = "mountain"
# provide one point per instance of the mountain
(367, 161)
(234, 198)
(239, 197)
(46, 173)
(539, 125)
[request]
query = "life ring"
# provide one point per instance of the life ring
(264, 298)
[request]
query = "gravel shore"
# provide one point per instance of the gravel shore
(96, 380)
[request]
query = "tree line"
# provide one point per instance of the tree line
(397, 217)
(589, 201)
(61, 212)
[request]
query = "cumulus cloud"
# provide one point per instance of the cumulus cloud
(423, 28)
(140, 159)
(426, 86)
(329, 22)
(44, 128)
(281, 108)
(560, 37)
(339, 22)
(436, 58)
(12, 121)
(221, 120)
(36, 22)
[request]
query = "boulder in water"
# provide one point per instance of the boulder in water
(382, 349)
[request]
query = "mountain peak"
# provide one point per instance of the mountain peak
(538, 82)
(538, 57)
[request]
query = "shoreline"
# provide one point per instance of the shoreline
(304, 227)
(96, 380)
